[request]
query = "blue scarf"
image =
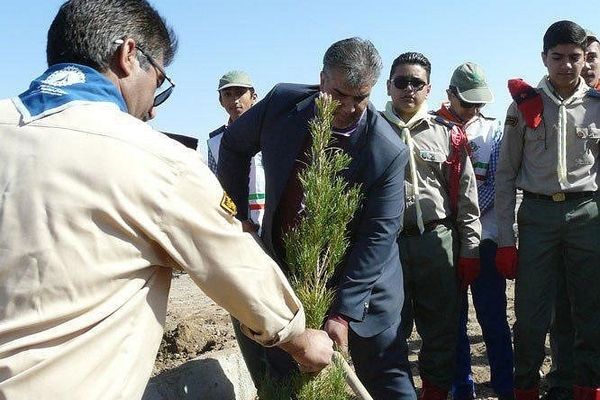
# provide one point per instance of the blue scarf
(63, 86)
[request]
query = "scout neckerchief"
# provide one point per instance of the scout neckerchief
(63, 86)
(561, 167)
(405, 128)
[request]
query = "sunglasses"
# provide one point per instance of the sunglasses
(403, 82)
(463, 103)
(164, 95)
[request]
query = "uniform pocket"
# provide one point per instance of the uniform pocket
(432, 156)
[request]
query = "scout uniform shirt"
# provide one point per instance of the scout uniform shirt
(541, 160)
(431, 150)
(96, 210)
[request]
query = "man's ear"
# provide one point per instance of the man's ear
(125, 58)
(254, 96)
(544, 56)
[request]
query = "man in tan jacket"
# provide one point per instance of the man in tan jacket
(96, 209)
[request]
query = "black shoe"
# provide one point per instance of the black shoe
(558, 393)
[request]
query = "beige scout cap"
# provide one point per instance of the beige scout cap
(235, 79)
(470, 83)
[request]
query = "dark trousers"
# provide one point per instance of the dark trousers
(489, 298)
(557, 238)
(562, 372)
(431, 300)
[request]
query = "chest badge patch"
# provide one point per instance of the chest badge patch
(228, 205)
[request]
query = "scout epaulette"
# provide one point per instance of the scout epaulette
(528, 101)
(458, 143)
(593, 93)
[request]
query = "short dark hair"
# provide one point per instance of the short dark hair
(564, 32)
(412, 58)
(84, 32)
(356, 58)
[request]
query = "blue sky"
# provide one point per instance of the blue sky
(284, 41)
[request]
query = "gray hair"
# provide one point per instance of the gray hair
(84, 32)
(357, 58)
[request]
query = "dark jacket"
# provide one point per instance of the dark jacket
(369, 287)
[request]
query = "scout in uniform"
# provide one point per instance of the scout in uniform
(467, 94)
(550, 151)
(440, 239)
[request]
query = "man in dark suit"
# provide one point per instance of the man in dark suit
(366, 313)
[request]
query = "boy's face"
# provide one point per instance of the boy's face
(591, 70)
(564, 63)
(407, 99)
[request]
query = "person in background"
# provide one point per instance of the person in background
(561, 377)
(236, 96)
(550, 151)
(440, 239)
(468, 93)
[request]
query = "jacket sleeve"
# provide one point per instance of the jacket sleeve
(509, 164)
(467, 211)
(241, 141)
(373, 244)
(201, 236)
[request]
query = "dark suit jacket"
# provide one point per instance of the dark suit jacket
(369, 285)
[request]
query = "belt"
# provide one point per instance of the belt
(429, 226)
(560, 196)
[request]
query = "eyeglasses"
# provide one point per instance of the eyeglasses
(403, 82)
(164, 95)
(463, 103)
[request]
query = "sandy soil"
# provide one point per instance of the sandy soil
(196, 325)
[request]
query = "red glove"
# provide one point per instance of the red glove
(529, 102)
(506, 261)
(468, 271)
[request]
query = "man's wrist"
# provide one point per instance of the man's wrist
(339, 318)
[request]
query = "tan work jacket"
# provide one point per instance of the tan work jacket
(96, 209)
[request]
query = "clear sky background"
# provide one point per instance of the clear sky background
(284, 41)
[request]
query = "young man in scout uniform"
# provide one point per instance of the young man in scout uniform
(550, 151)
(439, 243)
(561, 377)
(467, 94)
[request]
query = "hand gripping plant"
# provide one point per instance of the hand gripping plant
(314, 248)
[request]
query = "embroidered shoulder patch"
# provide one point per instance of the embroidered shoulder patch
(228, 205)
(511, 120)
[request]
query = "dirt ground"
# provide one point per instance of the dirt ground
(196, 325)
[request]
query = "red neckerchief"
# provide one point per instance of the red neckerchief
(458, 141)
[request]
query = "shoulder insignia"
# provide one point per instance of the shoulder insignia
(511, 120)
(445, 122)
(228, 205)
(593, 93)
